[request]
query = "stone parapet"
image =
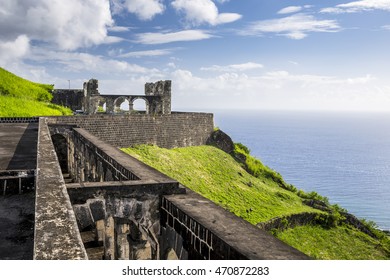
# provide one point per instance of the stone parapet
(167, 131)
(56, 235)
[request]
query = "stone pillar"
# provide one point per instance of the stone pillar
(109, 239)
(163, 89)
(110, 107)
(91, 97)
(166, 97)
(122, 243)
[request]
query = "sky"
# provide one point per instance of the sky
(220, 54)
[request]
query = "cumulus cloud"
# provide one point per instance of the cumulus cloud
(359, 6)
(279, 90)
(143, 9)
(294, 27)
(197, 12)
(233, 67)
(13, 50)
(68, 24)
(169, 37)
(80, 62)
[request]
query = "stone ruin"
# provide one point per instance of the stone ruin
(89, 100)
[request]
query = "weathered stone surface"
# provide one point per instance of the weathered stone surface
(56, 232)
(167, 131)
(18, 146)
(157, 98)
(71, 98)
(98, 209)
(221, 140)
(83, 216)
(229, 236)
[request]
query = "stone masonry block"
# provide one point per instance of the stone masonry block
(98, 209)
(83, 216)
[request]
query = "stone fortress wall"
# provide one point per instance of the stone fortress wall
(95, 202)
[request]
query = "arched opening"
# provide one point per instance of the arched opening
(102, 108)
(124, 107)
(140, 105)
(61, 147)
(118, 108)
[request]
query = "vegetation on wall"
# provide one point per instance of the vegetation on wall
(22, 98)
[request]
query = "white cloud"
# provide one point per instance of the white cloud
(279, 90)
(294, 27)
(169, 37)
(197, 12)
(119, 29)
(68, 24)
(138, 54)
(143, 9)
(112, 40)
(290, 10)
(359, 6)
(11, 51)
(233, 67)
(84, 62)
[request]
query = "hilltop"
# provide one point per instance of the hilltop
(244, 186)
(22, 98)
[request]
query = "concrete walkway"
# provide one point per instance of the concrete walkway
(18, 146)
(17, 227)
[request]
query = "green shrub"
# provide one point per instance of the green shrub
(242, 148)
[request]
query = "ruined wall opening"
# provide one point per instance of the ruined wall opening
(61, 147)
(140, 105)
(121, 105)
(124, 107)
(102, 108)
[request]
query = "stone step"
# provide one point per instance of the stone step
(67, 178)
(87, 236)
(95, 253)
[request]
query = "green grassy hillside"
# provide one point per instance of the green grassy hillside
(260, 197)
(22, 98)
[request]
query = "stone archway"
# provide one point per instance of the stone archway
(118, 102)
(102, 107)
(139, 104)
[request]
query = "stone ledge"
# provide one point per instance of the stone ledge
(56, 234)
(243, 237)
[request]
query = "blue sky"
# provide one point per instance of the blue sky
(219, 54)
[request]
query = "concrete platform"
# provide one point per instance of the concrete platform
(18, 146)
(17, 226)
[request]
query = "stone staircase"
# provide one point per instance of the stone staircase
(95, 249)
(67, 178)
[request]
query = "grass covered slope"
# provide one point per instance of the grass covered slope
(338, 243)
(258, 198)
(218, 177)
(22, 98)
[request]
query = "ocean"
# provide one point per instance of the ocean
(343, 156)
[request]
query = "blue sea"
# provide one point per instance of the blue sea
(343, 156)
